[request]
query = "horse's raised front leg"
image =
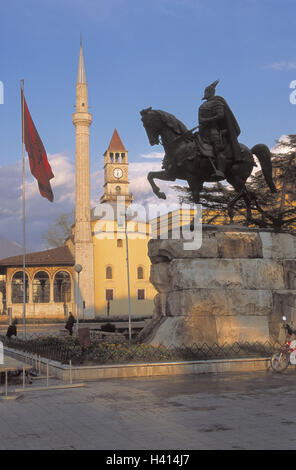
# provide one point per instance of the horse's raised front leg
(161, 175)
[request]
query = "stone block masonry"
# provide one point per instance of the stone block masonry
(236, 287)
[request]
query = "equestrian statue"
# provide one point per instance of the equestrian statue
(211, 154)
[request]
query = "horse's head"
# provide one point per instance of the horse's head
(157, 122)
(152, 124)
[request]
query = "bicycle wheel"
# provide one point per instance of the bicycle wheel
(279, 361)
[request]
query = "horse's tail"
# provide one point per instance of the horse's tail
(263, 154)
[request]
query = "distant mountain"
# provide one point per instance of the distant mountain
(8, 248)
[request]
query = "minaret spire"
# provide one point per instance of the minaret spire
(81, 75)
(83, 239)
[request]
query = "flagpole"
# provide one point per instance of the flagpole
(23, 212)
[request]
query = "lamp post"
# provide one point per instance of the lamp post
(128, 282)
(78, 269)
(121, 211)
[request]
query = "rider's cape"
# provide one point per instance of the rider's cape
(233, 131)
(232, 128)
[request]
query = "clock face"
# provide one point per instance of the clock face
(117, 172)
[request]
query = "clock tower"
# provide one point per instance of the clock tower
(116, 172)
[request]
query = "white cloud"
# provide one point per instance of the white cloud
(282, 65)
(277, 149)
(96, 183)
(40, 213)
(280, 146)
(141, 188)
(139, 185)
(152, 155)
(8, 248)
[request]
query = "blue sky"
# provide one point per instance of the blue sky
(138, 53)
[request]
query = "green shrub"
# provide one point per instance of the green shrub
(110, 327)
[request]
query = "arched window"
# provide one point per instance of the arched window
(140, 272)
(119, 243)
(62, 287)
(17, 288)
(118, 190)
(109, 274)
(41, 288)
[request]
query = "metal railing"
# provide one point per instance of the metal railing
(65, 349)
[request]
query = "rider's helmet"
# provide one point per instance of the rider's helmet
(210, 90)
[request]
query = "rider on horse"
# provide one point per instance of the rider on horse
(189, 156)
(218, 126)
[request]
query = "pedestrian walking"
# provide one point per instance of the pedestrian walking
(70, 323)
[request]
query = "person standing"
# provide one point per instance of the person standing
(70, 323)
(11, 330)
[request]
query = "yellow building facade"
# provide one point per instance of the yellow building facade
(112, 270)
(121, 262)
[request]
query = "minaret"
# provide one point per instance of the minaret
(82, 239)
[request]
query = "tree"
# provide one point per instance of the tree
(56, 235)
(275, 211)
(214, 199)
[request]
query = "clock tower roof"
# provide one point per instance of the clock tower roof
(116, 144)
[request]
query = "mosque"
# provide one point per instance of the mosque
(98, 244)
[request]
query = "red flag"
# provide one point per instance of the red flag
(40, 168)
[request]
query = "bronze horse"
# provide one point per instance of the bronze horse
(188, 158)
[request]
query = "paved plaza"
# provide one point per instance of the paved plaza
(223, 411)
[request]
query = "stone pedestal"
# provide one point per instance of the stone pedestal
(235, 288)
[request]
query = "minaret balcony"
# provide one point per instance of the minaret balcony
(81, 118)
